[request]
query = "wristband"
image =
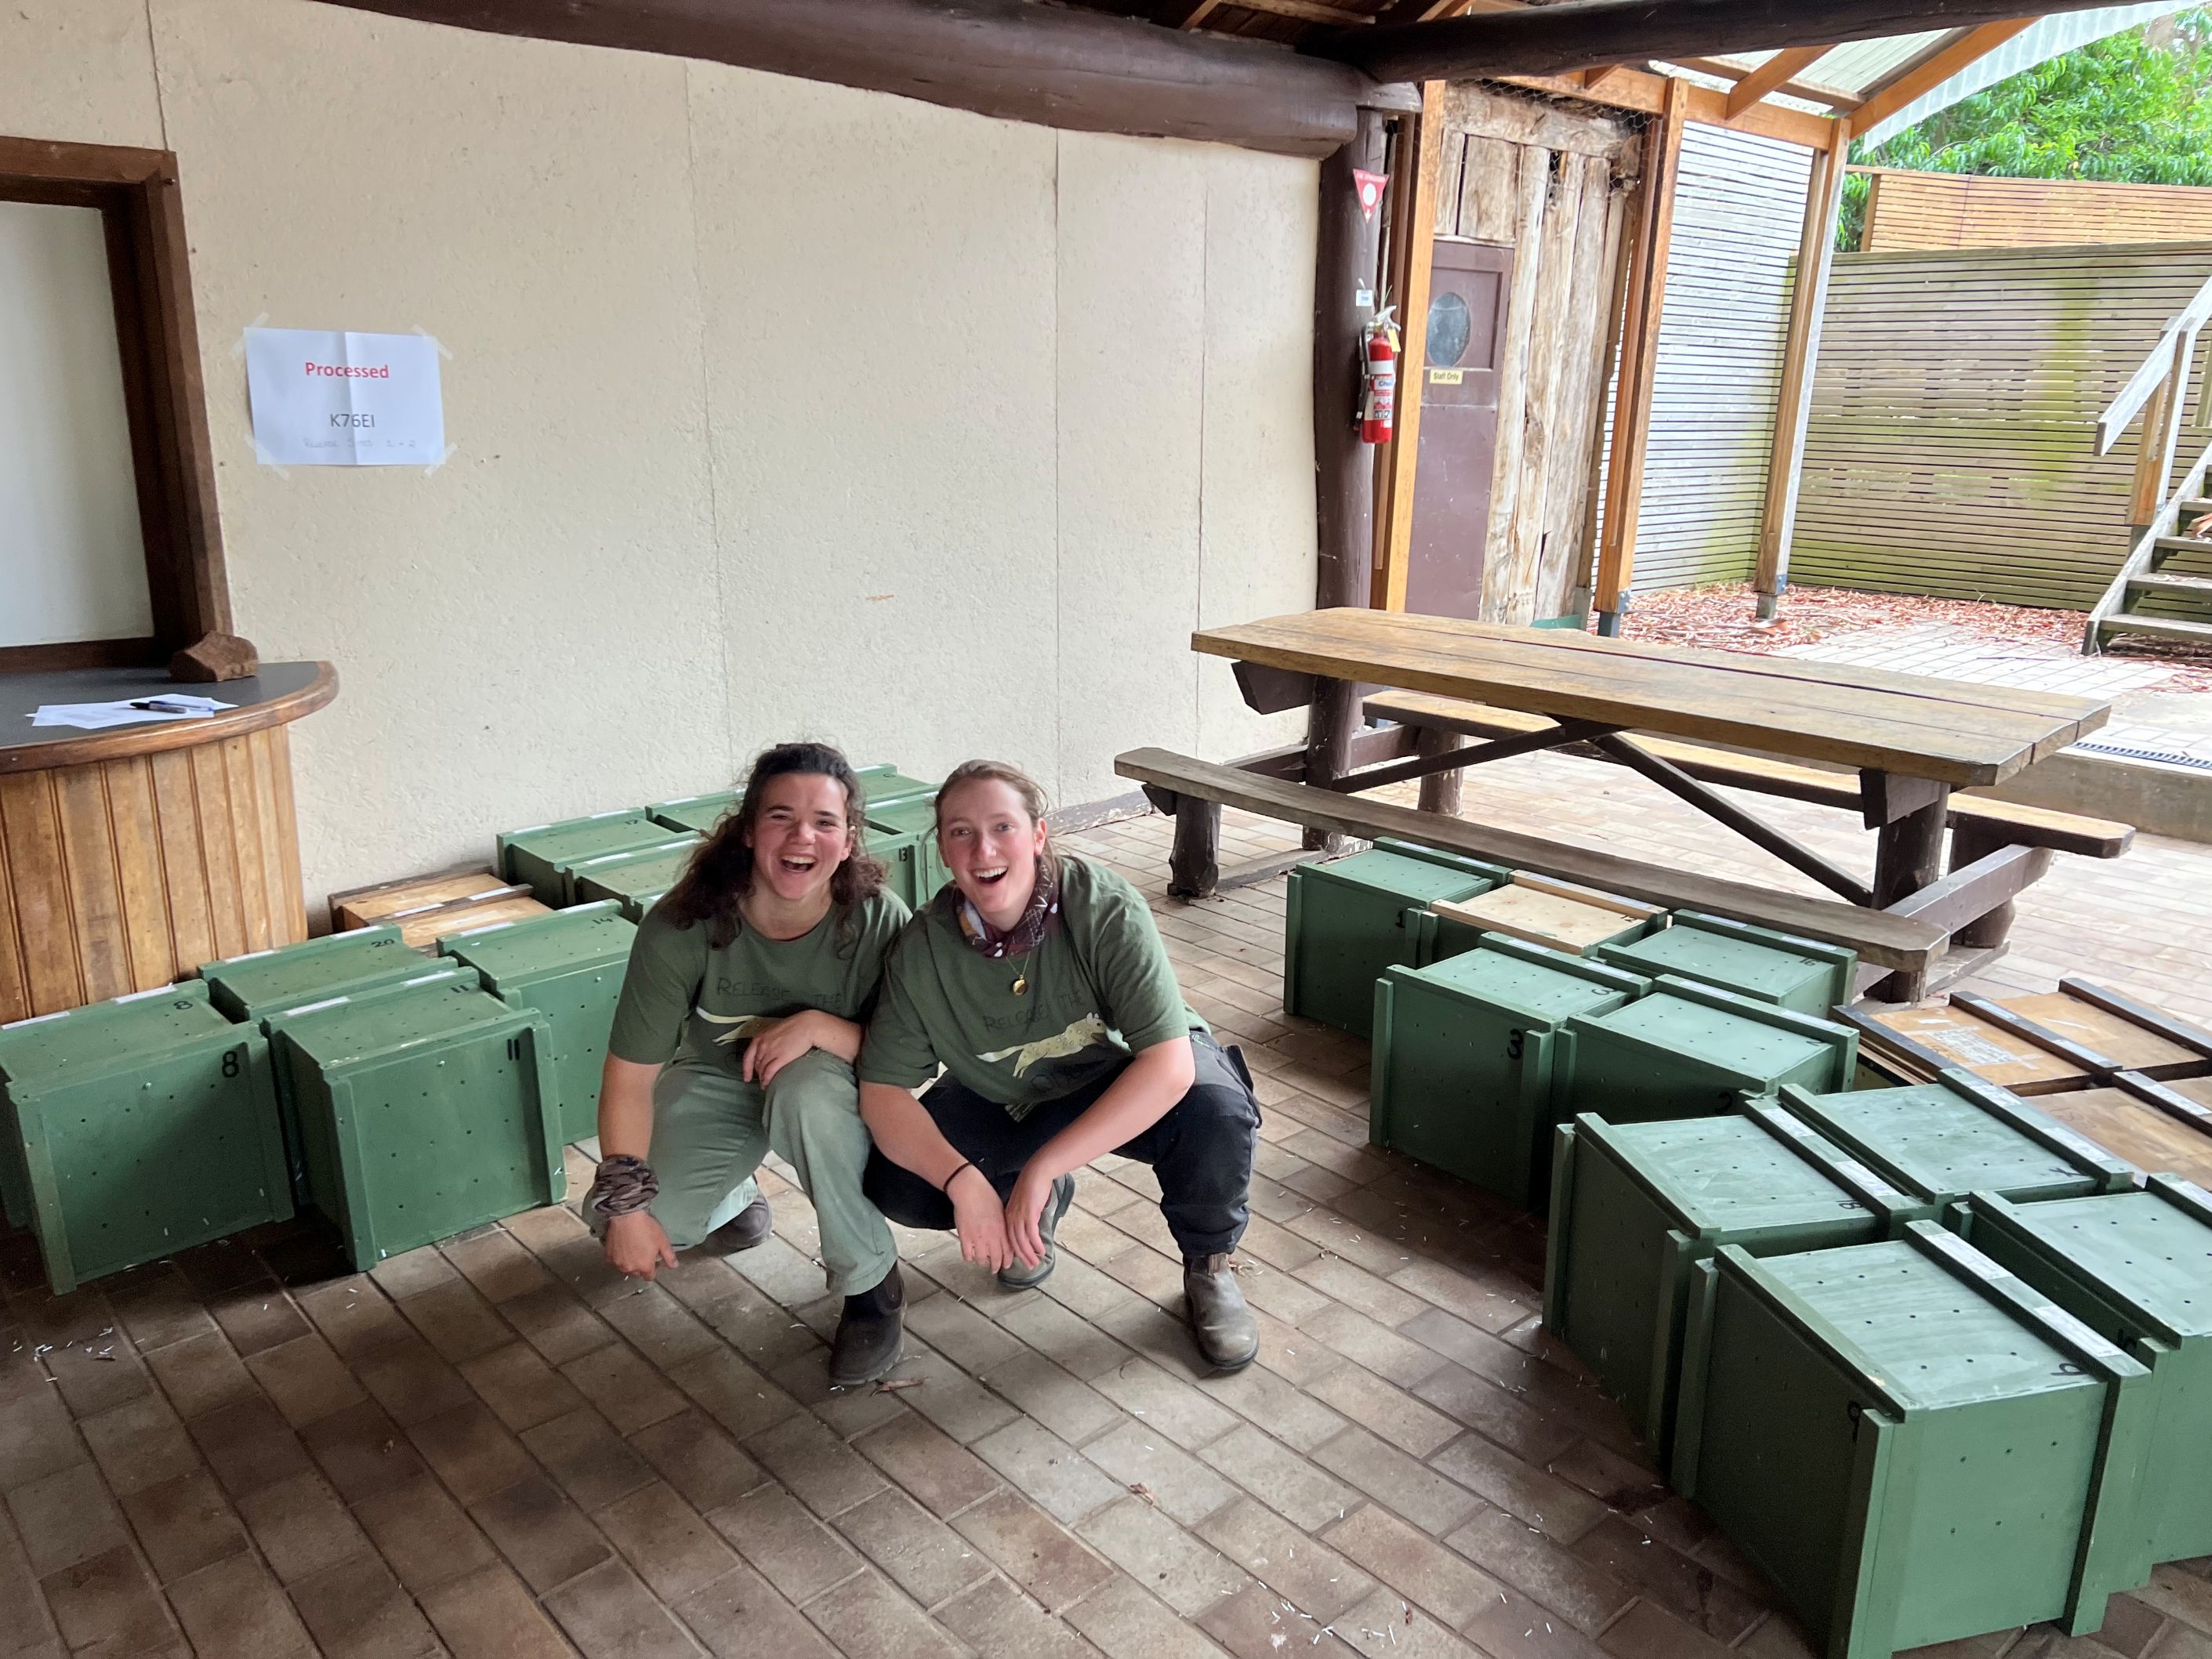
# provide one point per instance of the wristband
(945, 1186)
(623, 1186)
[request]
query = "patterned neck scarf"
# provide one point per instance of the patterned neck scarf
(1029, 929)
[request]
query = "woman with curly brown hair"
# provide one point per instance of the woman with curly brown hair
(740, 1017)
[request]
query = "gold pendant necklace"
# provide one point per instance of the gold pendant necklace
(1021, 984)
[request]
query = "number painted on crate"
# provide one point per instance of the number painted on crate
(1515, 1041)
(182, 1002)
(515, 1048)
(232, 1059)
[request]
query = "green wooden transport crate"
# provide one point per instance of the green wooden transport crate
(886, 786)
(1467, 1059)
(133, 1129)
(1914, 1444)
(693, 814)
(252, 986)
(1959, 1135)
(259, 982)
(2135, 1268)
(903, 834)
(569, 966)
(1634, 1206)
(429, 1109)
(1802, 975)
(536, 854)
(634, 880)
(1347, 920)
(1689, 1050)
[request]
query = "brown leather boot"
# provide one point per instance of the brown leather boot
(1228, 1336)
(870, 1333)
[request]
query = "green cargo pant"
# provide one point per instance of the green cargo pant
(710, 1132)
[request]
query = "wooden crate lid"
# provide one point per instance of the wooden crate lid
(1560, 914)
(2135, 1130)
(428, 926)
(2134, 1046)
(363, 907)
(1988, 1051)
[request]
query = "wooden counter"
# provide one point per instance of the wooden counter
(129, 856)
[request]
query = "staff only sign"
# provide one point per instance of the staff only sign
(322, 397)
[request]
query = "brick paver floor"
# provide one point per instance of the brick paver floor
(497, 1448)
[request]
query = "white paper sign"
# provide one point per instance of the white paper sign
(322, 397)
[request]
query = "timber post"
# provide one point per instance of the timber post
(1639, 359)
(1344, 468)
(1801, 356)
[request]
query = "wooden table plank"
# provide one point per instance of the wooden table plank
(1881, 940)
(1980, 737)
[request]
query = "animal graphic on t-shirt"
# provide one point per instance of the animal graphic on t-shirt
(742, 1027)
(1085, 1033)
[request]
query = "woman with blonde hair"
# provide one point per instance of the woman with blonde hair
(740, 1017)
(1038, 981)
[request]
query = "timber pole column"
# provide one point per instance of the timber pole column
(1344, 468)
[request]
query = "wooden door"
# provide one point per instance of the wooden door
(1459, 428)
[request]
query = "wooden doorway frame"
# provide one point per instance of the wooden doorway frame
(136, 194)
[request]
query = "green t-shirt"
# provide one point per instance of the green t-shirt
(680, 997)
(1097, 990)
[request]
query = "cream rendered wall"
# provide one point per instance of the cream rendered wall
(778, 408)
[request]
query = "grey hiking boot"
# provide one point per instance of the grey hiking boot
(870, 1333)
(742, 1232)
(1017, 1277)
(1228, 1336)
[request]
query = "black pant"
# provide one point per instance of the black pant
(1200, 1150)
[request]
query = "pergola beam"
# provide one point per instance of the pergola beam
(1771, 76)
(1056, 66)
(1918, 79)
(1580, 34)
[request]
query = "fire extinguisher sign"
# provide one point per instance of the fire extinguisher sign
(1370, 187)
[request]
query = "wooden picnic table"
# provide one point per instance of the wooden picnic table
(1912, 739)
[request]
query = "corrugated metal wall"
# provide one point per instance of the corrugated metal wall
(1953, 438)
(1739, 211)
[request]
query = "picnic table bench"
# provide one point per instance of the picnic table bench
(1912, 741)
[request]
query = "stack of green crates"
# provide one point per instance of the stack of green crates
(1690, 1050)
(1911, 1443)
(538, 855)
(902, 835)
(1469, 1061)
(880, 787)
(251, 987)
(1941, 1141)
(429, 1107)
(1636, 1205)
(568, 966)
(886, 786)
(2137, 1268)
(133, 1129)
(1802, 975)
(1348, 920)
(693, 814)
(633, 881)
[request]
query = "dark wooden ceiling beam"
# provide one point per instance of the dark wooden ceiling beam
(1579, 34)
(1056, 66)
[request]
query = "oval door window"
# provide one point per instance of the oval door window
(1450, 325)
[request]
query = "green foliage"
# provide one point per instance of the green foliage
(2135, 108)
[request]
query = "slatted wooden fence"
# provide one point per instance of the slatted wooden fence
(1906, 211)
(1952, 450)
(1739, 210)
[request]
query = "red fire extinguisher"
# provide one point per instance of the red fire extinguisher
(1379, 375)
